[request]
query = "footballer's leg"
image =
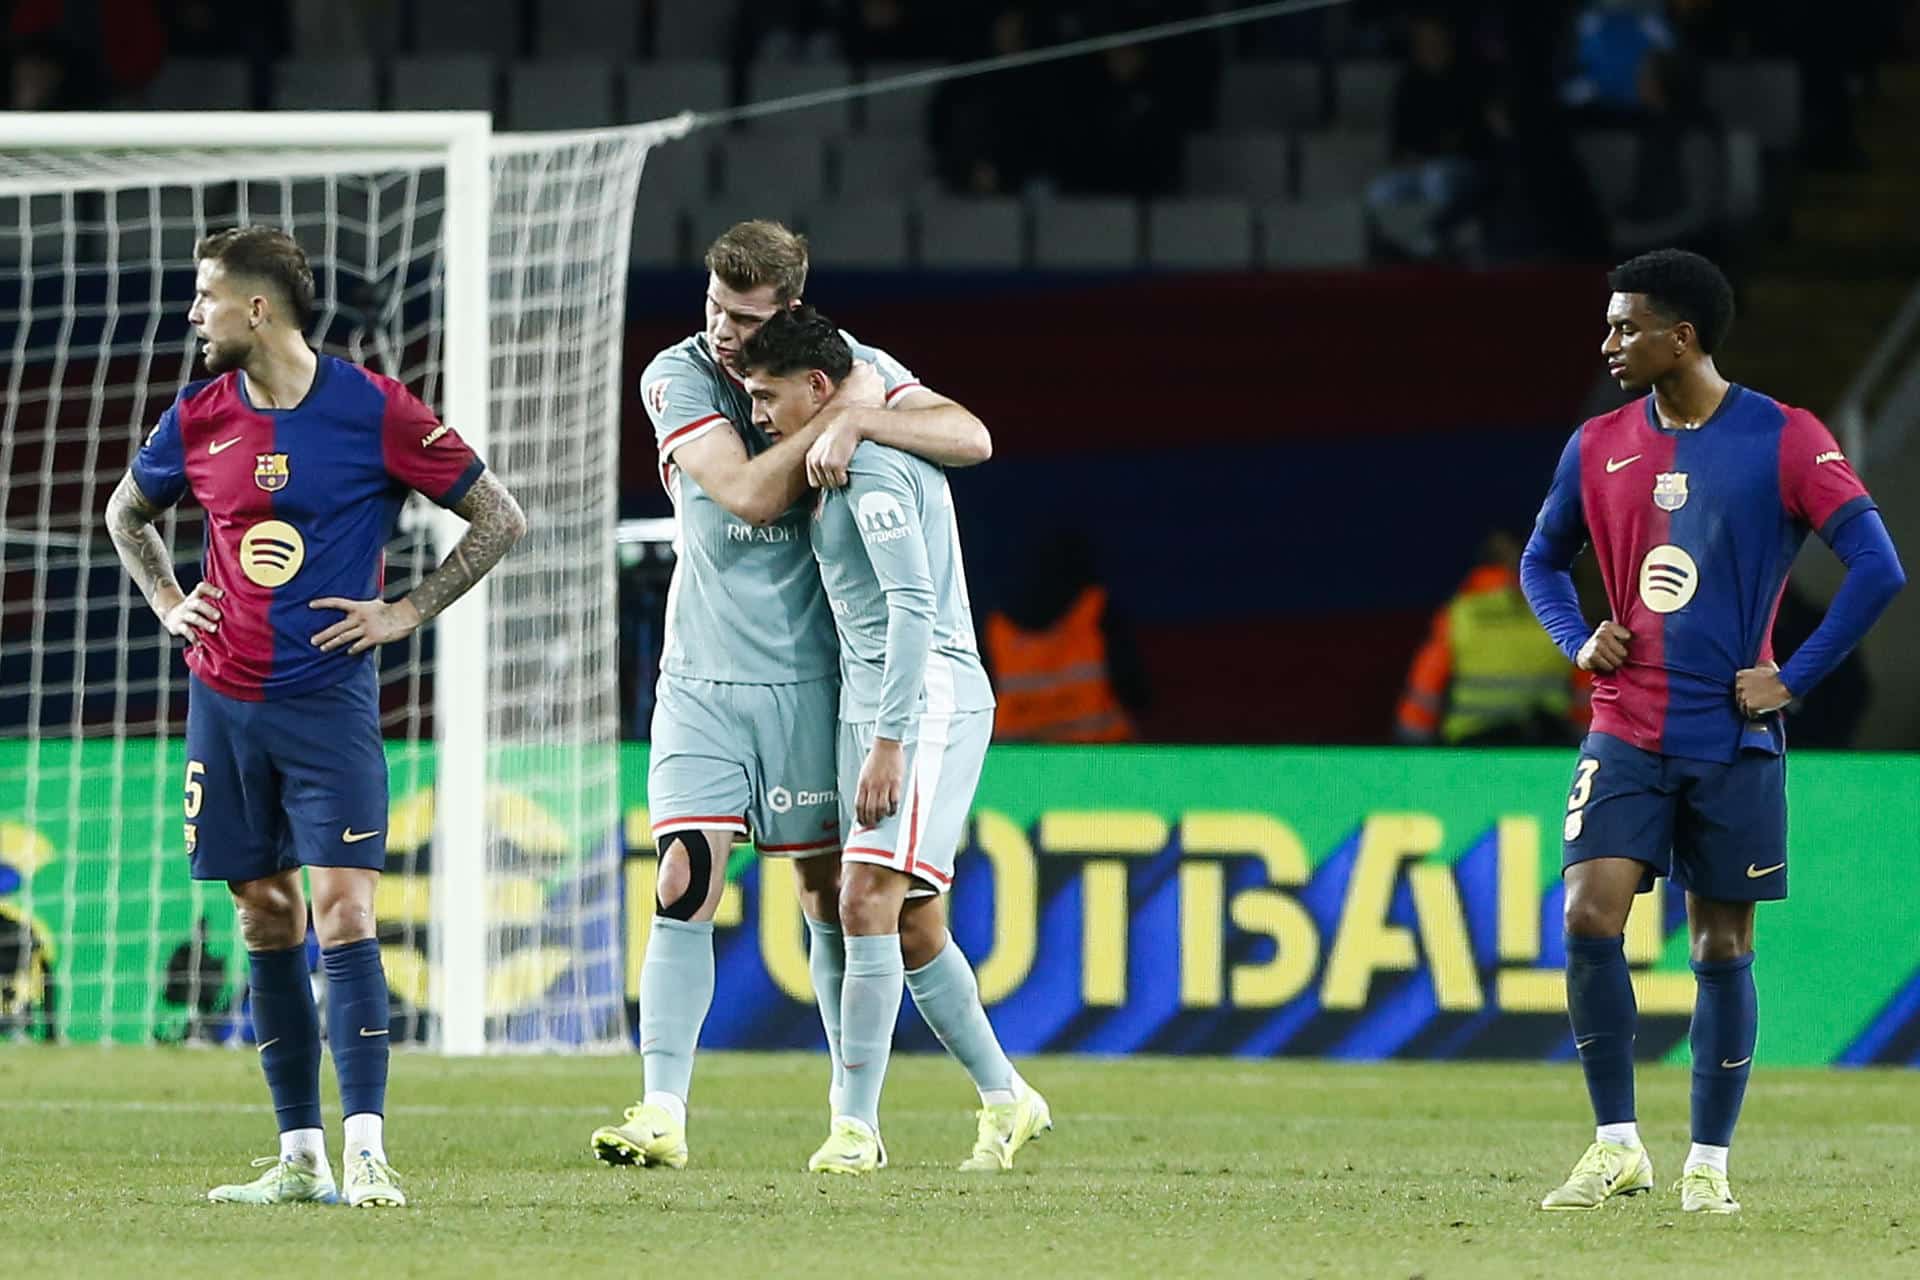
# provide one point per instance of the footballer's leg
(328, 749)
(676, 990)
(870, 901)
(698, 792)
(817, 878)
(1730, 854)
(1619, 818)
(236, 831)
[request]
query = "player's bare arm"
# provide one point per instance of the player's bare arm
(494, 523)
(1605, 650)
(759, 489)
(922, 422)
(130, 517)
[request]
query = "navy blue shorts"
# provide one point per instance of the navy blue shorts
(299, 781)
(1717, 830)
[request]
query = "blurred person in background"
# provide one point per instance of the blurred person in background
(1488, 676)
(1441, 145)
(1063, 662)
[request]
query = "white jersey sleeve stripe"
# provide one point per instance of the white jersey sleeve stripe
(689, 433)
(900, 390)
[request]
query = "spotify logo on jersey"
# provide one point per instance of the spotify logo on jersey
(271, 553)
(1668, 579)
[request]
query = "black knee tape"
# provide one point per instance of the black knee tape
(699, 877)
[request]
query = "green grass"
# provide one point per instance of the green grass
(1158, 1167)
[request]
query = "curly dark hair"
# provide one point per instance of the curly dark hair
(795, 340)
(1681, 286)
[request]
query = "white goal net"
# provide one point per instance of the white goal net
(486, 272)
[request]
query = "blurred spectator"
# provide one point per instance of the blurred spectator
(995, 135)
(1440, 145)
(1487, 674)
(1612, 39)
(76, 54)
(1063, 661)
(1127, 131)
(890, 30)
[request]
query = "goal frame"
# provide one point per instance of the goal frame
(459, 910)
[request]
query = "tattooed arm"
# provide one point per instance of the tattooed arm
(494, 523)
(130, 517)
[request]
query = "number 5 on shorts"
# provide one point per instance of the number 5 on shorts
(1582, 792)
(196, 792)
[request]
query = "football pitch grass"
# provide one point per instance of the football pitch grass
(1157, 1166)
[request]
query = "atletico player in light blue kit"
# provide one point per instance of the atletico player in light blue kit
(916, 715)
(1695, 499)
(742, 740)
(301, 462)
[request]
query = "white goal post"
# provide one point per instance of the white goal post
(495, 268)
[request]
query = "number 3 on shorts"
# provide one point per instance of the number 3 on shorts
(1582, 792)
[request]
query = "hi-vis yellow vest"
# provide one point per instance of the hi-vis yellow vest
(1505, 668)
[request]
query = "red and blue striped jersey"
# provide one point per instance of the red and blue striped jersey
(299, 503)
(1694, 531)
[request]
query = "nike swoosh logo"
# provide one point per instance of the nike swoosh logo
(350, 836)
(223, 445)
(1613, 466)
(268, 1045)
(854, 1066)
(368, 1031)
(1581, 1044)
(1731, 1065)
(1754, 873)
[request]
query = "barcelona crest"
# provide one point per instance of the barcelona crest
(1670, 490)
(270, 471)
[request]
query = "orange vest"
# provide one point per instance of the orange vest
(1052, 685)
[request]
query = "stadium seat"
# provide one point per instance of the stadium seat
(1270, 95)
(656, 233)
(1363, 94)
(1744, 174)
(490, 27)
(201, 84)
(653, 90)
(769, 80)
(1705, 201)
(1200, 235)
(586, 29)
(325, 84)
(1323, 233)
(864, 234)
(681, 170)
(977, 235)
(1336, 165)
(875, 165)
(1762, 97)
(692, 28)
(1257, 166)
(458, 82)
(1086, 234)
(788, 170)
(706, 221)
(897, 111)
(569, 93)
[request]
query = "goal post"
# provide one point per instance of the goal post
(489, 273)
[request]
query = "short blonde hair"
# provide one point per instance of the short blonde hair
(748, 255)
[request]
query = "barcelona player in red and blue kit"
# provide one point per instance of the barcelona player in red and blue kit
(1695, 499)
(301, 462)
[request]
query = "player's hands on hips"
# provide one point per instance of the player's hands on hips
(1605, 650)
(1758, 690)
(828, 458)
(195, 613)
(368, 623)
(878, 795)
